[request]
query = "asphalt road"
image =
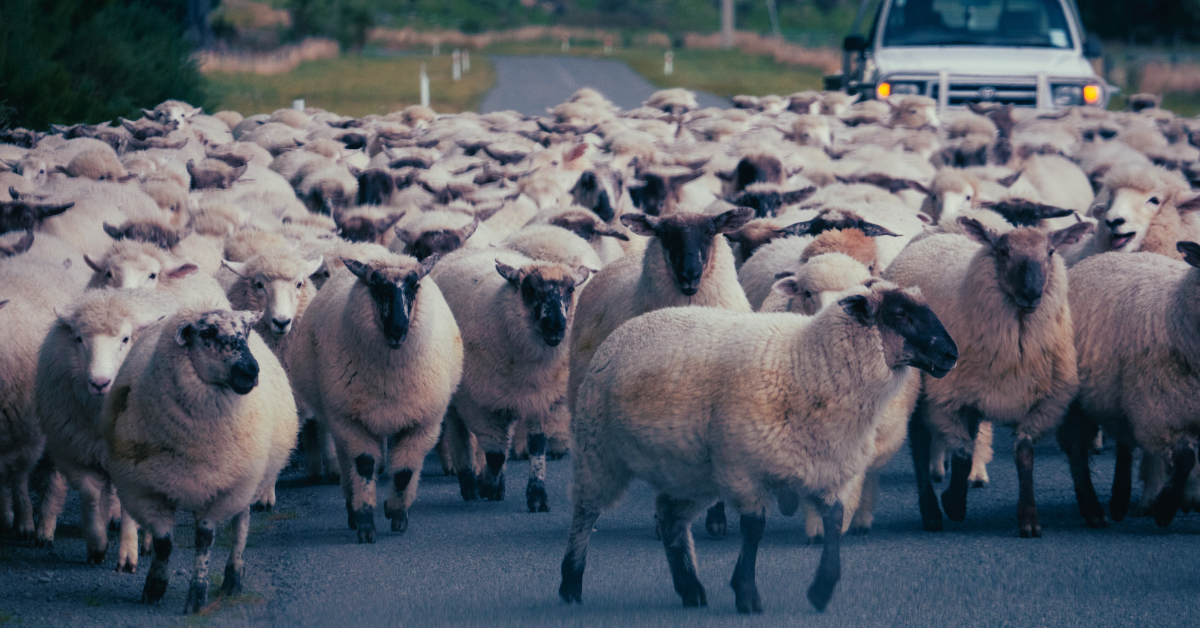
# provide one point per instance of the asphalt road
(531, 84)
(494, 564)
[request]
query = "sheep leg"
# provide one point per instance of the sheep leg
(406, 454)
(6, 506)
(535, 489)
(937, 460)
(675, 518)
(814, 528)
(829, 571)
(197, 597)
(462, 453)
(583, 521)
(744, 589)
(160, 524)
(596, 486)
(954, 499)
(347, 491)
(127, 547)
(1074, 437)
(443, 454)
(22, 505)
(93, 515)
(715, 521)
(52, 507)
(113, 507)
(920, 440)
(1027, 515)
(982, 456)
(1153, 473)
(520, 442)
(362, 486)
(864, 515)
(494, 435)
(235, 567)
(1118, 506)
(310, 440)
(1183, 458)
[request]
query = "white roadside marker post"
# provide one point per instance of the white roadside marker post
(424, 87)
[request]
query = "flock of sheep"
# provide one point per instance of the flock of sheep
(743, 307)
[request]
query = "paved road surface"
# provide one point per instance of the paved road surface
(531, 84)
(492, 564)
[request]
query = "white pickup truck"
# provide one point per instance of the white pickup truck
(1030, 53)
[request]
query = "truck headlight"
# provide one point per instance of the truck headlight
(903, 89)
(1091, 94)
(1068, 95)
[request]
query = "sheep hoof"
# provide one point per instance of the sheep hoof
(571, 589)
(42, 542)
(491, 489)
(555, 456)
(26, 535)
(820, 592)
(197, 597)
(262, 507)
(693, 594)
(126, 566)
(1163, 511)
(816, 539)
(936, 478)
(1031, 531)
(350, 520)
(114, 525)
(365, 520)
(467, 486)
(535, 496)
(232, 584)
(1096, 522)
(398, 517)
(747, 599)
(715, 522)
(979, 484)
(154, 590)
(955, 506)
(859, 530)
(96, 557)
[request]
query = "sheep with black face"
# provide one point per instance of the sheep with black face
(385, 320)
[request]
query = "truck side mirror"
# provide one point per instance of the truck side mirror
(1092, 48)
(854, 43)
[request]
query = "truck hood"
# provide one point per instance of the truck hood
(983, 61)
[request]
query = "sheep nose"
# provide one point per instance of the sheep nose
(99, 385)
(1114, 223)
(280, 325)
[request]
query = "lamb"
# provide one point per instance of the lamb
(403, 356)
(200, 418)
(76, 367)
(514, 312)
(690, 400)
(1137, 385)
(130, 264)
(276, 283)
(30, 291)
(1004, 298)
(813, 284)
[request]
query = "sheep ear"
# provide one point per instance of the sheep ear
(467, 231)
(784, 273)
(391, 220)
(925, 218)
(860, 307)
(182, 271)
(642, 224)
(113, 232)
(609, 232)
(149, 113)
(787, 286)
(3, 303)
(513, 275)
(1010, 179)
(185, 334)
(733, 219)
(405, 235)
(360, 270)
(427, 265)
(576, 151)
(678, 181)
(46, 211)
(238, 268)
(917, 186)
(582, 273)
(141, 325)
(236, 174)
(22, 245)
(251, 317)
(976, 231)
(1190, 250)
(873, 230)
(1069, 236)
(312, 266)
(1189, 205)
(92, 264)
(796, 196)
(797, 229)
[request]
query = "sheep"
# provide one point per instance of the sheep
(1137, 385)
(200, 418)
(814, 283)
(30, 292)
(1004, 298)
(76, 366)
(26, 214)
(604, 239)
(131, 264)
(1144, 208)
(395, 331)
(514, 313)
(441, 232)
(690, 400)
(366, 224)
(275, 282)
(45, 248)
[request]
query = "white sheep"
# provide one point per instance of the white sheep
(1004, 299)
(76, 367)
(515, 313)
(693, 401)
(1137, 384)
(199, 418)
(388, 326)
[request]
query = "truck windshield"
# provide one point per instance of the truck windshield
(1038, 23)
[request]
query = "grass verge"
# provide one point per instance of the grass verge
(721, 72)
(355, 85)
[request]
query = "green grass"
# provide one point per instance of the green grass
(355, 85)
(1182, 103)
(721, 72)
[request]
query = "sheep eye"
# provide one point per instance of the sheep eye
(258, 285)
(209, 333)
(125, 340)
(154, 275)
(108, 274)
(299, 285)
(1153, 200)
(79, 339)
(807, 294)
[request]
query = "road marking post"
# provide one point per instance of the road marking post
(456, 65)
(424, 87)
(668, 63)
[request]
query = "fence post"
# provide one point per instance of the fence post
(298, 104)
(424, 87)
(668, 63)
(456, 65)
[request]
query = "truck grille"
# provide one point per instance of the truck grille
(963, 93)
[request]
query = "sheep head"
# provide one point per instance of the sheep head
(426, 244)
(599, 189)
(1023, 257)
(1024, 213)
(216, 344)
(275, 284)
(586, 225)
(1136, 198)
(26, 214)
(366, 228)
(658, 191)
(393, 291)
(687, 240)
(149, 232)
(912, 334)
(548, 292)
(836, 219)
(766, 199)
